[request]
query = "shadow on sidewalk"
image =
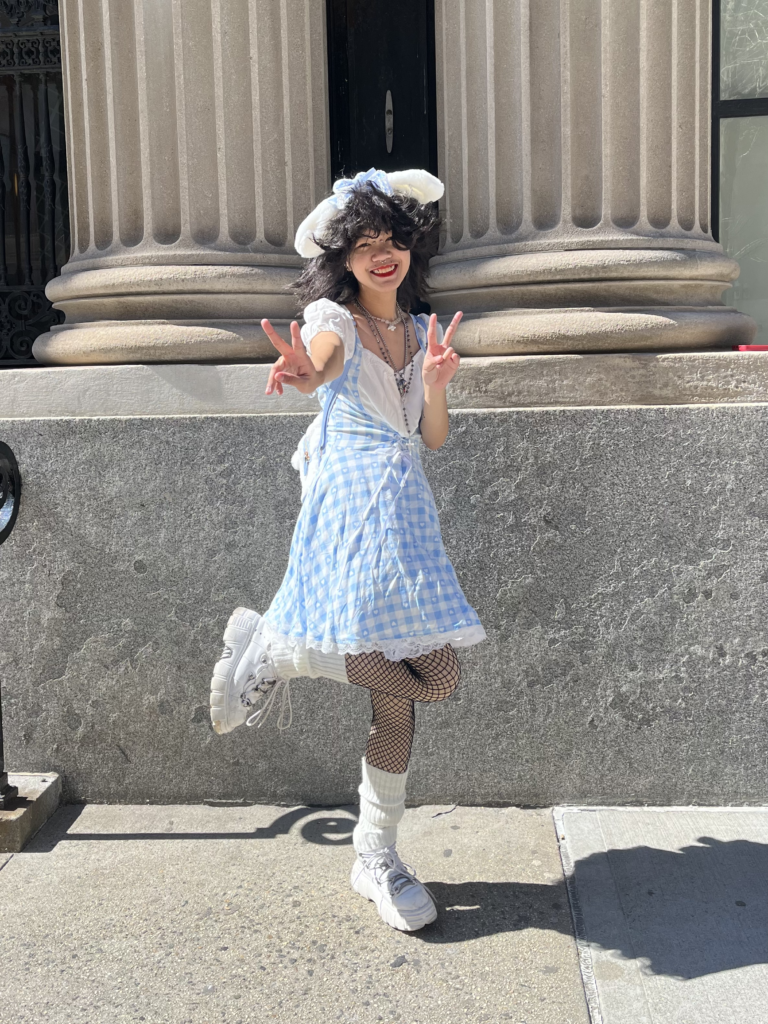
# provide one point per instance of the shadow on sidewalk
(470, 910)
(683, 913)
(335, 830)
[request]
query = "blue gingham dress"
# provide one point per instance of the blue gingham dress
(367, 568)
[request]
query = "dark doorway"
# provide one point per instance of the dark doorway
(34, 212)
(382, 50)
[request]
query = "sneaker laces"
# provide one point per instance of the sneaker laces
(380, 862)
(275, 686)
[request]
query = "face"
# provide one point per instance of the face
(378, 264)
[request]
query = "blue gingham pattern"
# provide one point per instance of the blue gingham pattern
(367, 567)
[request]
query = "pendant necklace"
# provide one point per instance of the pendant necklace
(391, 324)
(403, 385)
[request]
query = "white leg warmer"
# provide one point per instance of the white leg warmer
(284, 657)
(382, 804)
(292, 661)
(330, 666)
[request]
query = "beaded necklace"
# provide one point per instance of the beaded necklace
(403, 385)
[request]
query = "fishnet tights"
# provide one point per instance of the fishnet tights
(394, 686)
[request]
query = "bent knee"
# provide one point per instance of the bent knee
(441, 682)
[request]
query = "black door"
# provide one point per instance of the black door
(381, 61)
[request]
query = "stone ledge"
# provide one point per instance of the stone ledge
(485, 382)
(611, 379)
(39, 796)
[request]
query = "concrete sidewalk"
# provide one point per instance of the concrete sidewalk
(671, 911)
(198, 914)
(175, 914)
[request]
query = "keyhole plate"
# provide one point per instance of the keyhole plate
(389, 121)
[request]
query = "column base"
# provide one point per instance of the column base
(587, 329)
(168, 313)
(505, 332)
(156, 341)
(590, 300)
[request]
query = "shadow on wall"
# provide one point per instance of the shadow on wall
(686, 913)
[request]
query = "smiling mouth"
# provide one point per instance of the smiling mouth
(388, 271)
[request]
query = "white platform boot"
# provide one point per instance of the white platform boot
(255, 668)
(245, 674)
(378, 873)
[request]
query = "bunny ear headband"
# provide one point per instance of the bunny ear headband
(417, 183)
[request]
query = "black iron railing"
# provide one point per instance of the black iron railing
(34, 213)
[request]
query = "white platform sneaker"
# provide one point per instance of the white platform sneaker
(402, 901)
(245, 676)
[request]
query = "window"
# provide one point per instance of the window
(740, 150)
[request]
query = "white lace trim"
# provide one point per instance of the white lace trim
(394, 650)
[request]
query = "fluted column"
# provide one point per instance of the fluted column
(574, 144)
(197, 141)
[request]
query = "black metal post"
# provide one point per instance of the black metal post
(10, 493)
(7, 791)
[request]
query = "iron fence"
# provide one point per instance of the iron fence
(34, 210)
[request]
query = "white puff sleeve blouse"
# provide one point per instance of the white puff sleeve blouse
(376, 384)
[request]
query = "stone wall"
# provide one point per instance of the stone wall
(617, 557)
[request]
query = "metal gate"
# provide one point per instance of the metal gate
(34, 210)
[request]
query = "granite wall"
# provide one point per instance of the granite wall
(618, 558)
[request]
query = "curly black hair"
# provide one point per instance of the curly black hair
(369, 211)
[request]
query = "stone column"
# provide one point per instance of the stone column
(197, 141)
(574, 142)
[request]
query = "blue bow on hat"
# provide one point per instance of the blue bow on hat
(415, 183)
(344, 187)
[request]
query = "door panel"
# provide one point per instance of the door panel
(376, 47)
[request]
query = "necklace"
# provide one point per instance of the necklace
(391, 324)
(403, 385)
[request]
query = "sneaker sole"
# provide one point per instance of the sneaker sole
(416, 919)
(242, 624)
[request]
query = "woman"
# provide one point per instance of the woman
(369, 596)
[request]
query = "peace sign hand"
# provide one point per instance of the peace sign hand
(440, 361)
(294, 366)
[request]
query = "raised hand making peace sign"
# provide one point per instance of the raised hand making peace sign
(294, 365)
(440, 361)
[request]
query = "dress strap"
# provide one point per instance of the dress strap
(420, 329)
(334, 387)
